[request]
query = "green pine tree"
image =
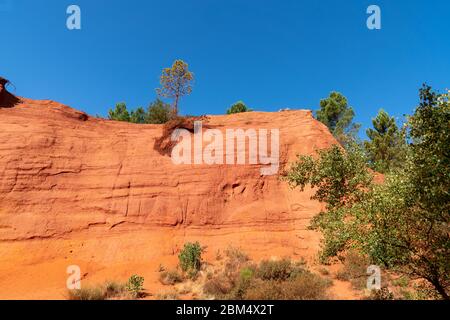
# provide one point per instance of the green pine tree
(386, 148)
(338, 116)
(120, 113)
(138, 116)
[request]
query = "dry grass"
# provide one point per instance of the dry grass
(307, 286)
(170, 278)
(168, 295)
(107, 291)
(354, 270)
(270, 280)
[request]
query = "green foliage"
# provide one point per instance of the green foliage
(338, 116)
(270, 280)
(135, 285)
(238, 107)
(247, 273)
(176, 82)
(190, 257)
(307, 286)
(138, 116)
(386, 147)
(410, 212)
(159, 112)
(275, 269)
(120, 113)
(338, 175)
(340, 178)
(402, 223)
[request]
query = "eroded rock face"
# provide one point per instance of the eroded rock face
(69, 180)
(61, 172)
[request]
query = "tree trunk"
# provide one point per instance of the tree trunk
(439, 288)
(175, 107)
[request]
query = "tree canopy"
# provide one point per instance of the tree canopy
(403, 223)
(386, 145)
(120, 113)
(238, 107)
(176, 82)
(158, 112)
(338, 116)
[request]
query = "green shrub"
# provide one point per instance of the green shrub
(275, 270)
(238, 107)
(307, 286)
(135, 285)
(402, 281)
(190, 257)
(160, 112)
(247, 273)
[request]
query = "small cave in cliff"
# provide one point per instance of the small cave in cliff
(165, 144)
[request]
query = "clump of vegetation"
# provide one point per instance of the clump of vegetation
(324, 271)
(401, 224)
(269, 280)
(337, 115)
(170, 277)
(106, 291)
(402, 281)
(238, 107)
(341, 179)
(170, 295)
(235, 260)
(217, 286)
(305, 286)
(382, 294)
(158, 112)
(190, 258)
(275, 269)
(386, 146)
(120, 113)
(94, 293)
(135, 286)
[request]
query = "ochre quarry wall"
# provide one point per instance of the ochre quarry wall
(80, 190)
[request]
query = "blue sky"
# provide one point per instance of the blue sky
(271, 54)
